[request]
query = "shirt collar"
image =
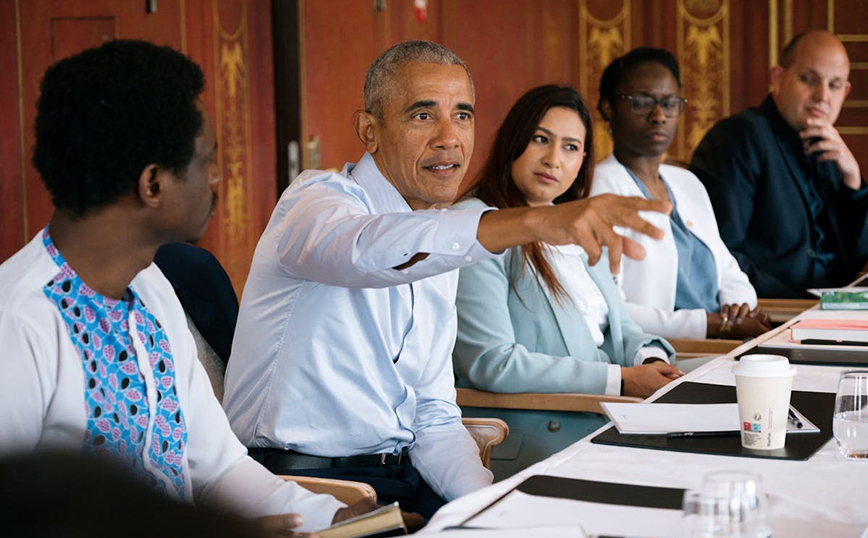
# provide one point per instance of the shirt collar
(384, 196)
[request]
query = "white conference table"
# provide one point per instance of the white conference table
(825, 496)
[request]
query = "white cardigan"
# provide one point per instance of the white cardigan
(649, 285)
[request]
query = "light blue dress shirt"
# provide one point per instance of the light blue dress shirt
(335, 352)
(697, 272)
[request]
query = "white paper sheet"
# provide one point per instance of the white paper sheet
(665, 418)
(662, 418)
(520, 510)
(571, 531)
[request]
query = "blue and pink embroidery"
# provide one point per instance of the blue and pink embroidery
(116, 400)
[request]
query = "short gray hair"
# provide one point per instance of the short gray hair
(380, 80)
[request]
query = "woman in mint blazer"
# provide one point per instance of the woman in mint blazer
(538, 318)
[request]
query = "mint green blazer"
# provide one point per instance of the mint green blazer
(514, 336)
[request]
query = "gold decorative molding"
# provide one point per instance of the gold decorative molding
(600, 42)
(853, 38)
(703, 47)
(235, 210)
(788, 22)
(830, 16)
(853, 130)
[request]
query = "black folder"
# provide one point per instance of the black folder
(804, 355)
(817, 406)
(593, 491)
(603, 492)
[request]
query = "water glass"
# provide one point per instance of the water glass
(729, 504)
(850, 423)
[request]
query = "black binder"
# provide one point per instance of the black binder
(804, 355)
(817, 406)
(593, 491)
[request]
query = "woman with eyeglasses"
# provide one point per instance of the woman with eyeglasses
(539, 318)
(688, 285)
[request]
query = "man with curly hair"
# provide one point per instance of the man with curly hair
(97, 354)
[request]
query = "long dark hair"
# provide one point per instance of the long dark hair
(495, 185)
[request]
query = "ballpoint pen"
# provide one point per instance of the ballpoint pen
(720, 433)
(795, 419)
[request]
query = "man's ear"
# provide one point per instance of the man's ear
(776, 75)
(363, 123)
(150, 186)
(605, 109)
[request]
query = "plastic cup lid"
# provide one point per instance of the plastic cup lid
(764, 366)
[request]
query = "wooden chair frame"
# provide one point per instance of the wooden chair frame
(488, 433)
(689, 348)
(538, 401)
(346, 491)
(783, 310)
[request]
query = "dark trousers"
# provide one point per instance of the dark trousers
(401, 483)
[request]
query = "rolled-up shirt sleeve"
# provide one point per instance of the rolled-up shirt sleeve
(328, 234)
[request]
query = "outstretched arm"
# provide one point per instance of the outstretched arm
(587, 222)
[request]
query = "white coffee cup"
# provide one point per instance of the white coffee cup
(762, 385)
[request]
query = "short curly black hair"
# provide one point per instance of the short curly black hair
(106, 113)
(620, 67)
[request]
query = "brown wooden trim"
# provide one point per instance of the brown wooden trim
(538, 401)
(288, 84)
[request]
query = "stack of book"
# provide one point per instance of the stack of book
(851, 299)
(831, 331)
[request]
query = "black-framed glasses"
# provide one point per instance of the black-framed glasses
(643, 104)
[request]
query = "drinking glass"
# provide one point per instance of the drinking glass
(850, 422)
(729, 504)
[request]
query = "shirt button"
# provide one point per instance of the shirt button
(690, 224)
(455, 246)
(468, 258)
(812, 253)
(405, 271)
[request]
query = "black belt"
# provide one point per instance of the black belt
(275, 458)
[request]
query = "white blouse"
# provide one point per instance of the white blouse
(569, 267)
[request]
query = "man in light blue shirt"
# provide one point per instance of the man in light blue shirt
(341, 362)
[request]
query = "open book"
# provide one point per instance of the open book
(385, 521)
